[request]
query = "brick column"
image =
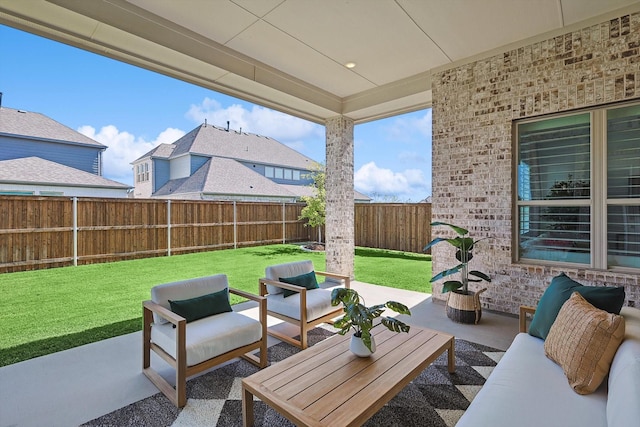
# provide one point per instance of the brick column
(340, 232)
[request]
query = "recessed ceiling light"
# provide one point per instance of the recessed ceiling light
(350, 64)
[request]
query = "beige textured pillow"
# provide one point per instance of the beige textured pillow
(583, 340)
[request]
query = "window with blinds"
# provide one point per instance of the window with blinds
(578, 188)
(623, 186)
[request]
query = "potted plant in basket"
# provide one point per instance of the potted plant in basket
(360, 318)
(463, 305)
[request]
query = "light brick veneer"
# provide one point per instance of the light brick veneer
(340, 231)
(473, 109)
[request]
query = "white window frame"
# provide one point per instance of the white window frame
(598, 201)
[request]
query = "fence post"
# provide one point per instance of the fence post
(75, 231)
(235, 227)
(168, 227)
(284, 224)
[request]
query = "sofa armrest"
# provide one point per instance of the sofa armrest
(347, 279)
(524, 311)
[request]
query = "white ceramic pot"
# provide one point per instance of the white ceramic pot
(358, 348)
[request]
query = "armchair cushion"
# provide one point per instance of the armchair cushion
(318, 304)
(291, 269)
(609, 299)
(307, 280)
(210, 336)
(186, 289)
(206, 305)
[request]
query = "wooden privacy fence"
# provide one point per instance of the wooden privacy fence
(42, 232)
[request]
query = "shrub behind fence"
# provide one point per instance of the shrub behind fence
(42, 232)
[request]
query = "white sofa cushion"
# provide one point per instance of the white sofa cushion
(209, 337)
(318, 304)
(186, 289)
(529, 390)
(623, 408)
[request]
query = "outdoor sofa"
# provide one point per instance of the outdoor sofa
(527, 388)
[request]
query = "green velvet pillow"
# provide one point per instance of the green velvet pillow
(609, 299)
(202, 306)
(307, 280)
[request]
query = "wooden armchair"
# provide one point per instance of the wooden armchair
(525, 311)
(219, 335)
(305, 308)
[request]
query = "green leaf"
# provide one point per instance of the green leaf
(451, 285)
(395, 325)
(446, 273)
(398, 307)
(480, 275)
(366, 339)
(461, 231)
(433, 242)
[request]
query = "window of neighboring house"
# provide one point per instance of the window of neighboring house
(269, 172)
(16, 193)
(142, 172)
(296, 175)
(52, 193)
(288, 174)
(578, 188)
(279, 173)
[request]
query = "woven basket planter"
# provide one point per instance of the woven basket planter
(464, 308)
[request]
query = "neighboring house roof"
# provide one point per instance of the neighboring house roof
(20, 123)
(213, 141)
(34, 170)
(306, 190)
(224, 176)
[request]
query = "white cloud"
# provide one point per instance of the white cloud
(289, 130)
(123, 148)
(410, 184)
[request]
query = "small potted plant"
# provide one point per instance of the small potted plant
(360, 318)
(463, 306)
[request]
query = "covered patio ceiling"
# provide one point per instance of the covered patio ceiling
(292, 55)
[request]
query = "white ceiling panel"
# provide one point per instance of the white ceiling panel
(574, 11)
(464, 29)
(273, 47)
(218, 20)
(379, 37)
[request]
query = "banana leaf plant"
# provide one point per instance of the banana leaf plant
(360, 317)
(464, 246)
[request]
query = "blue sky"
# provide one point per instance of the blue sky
(131, 110)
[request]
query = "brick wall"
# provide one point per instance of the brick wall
(473, 109)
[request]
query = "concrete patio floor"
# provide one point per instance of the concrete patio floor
(74, 386)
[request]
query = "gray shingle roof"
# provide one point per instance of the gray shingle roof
(224, 176)
(305, 190)
(34, 170)
(35, 125)
(217, 142)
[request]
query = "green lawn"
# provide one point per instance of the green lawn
(45, 311)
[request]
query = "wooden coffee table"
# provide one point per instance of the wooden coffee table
(327, 385)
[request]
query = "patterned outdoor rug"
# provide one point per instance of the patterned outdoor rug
(434, 399)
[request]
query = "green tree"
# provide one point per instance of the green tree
(314, 211)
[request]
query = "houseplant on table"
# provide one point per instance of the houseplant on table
(463, 305)
(360, 317)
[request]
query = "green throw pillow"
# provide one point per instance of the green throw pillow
(307, 280)
(609, 299)
(202, 306)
